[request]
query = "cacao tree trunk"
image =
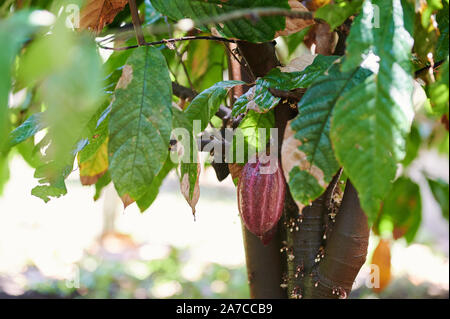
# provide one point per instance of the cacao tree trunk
(311, 256)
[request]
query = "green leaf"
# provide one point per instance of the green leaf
(368, 134)
(101, 184)
(4, 172)
(442, 19)
(439, 90)
(66, 68)
(206, 61)
(295, 39)
(260, 99)
(98, 134)
(303, 186)
(151, 15)
(371, 121)
(150, 195)
(27, 129)
(207, 103)
(412, 146)
(337, 12)
(140, 122)
(245, 29)
(189, 163)
(252, 126)
(13, 33)
(52, 175)
(383, 28)
(309, 150)
(44, 192)
(440, 190)
(402, 210)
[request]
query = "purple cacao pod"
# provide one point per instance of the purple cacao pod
(261, 199)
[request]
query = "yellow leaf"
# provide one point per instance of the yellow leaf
(94, 168)
(382, 258)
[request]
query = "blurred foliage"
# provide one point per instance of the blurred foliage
(143, 279)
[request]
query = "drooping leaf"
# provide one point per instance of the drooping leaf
(13, 33)
(51, 177)
(440, 190)
(189, 182)
(45, 192)
(309, 163)
(401, 213)
(245, 29)
(69, 85)
(337, 12)
(140, 122)
(98, 13)
(371, 121)
(27, 129)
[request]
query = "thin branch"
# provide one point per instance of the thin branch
(253, 14)
(165, 41)
(245, 67)
(136, 22)
(426, 68)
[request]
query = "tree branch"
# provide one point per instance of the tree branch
(183, 92)
(136, 22)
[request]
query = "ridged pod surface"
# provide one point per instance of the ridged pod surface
(261, 199)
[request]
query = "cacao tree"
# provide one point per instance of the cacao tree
(334, 98)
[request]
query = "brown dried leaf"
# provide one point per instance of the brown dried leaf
(126, 77)
(382, 258)
(127, 200)
(313, 5)
(292, 156)
(98, 13)
(294, 25)
(298, 64)
(323, 38)
(235, 170)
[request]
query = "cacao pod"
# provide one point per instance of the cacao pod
(261, 199)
